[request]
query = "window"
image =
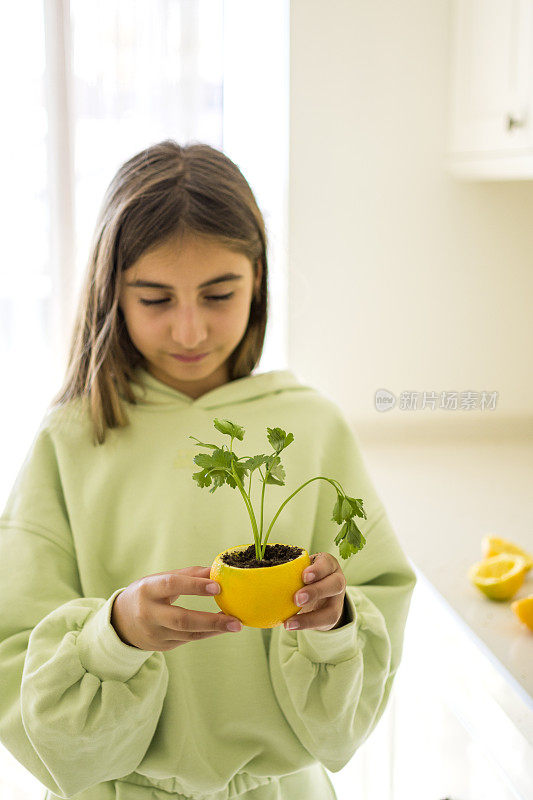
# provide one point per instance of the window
(93, 84)
(86, 85)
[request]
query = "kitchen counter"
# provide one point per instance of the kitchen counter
(443, 493)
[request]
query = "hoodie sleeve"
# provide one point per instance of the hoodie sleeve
(77, 705)
(333, 686)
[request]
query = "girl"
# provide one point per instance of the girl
(99, 699)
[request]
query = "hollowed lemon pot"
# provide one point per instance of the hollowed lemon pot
(262, 597)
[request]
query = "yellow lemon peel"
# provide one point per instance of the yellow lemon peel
(523, 609)
(494, 545)
(261, 597)
(499, 577)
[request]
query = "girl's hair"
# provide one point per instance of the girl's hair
(163, 191)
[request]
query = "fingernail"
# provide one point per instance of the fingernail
(301, 598)
(292, 625)
(212, 588)
(234, 626)
(308, 577)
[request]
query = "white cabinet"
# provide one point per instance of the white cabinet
(491, 89)
(454, 728)
(462, 731)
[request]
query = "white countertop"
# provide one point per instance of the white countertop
(442, 495)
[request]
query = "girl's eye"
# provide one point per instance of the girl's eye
(152, 302)
(165, 300)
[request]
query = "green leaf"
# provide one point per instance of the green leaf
(357, 506)
(219, 478)
(355, 537)
(203, 478)
(217, 467)
(346, 509)
(279, 439)
(337, 515)
(254, 462)
(220, 459)
(341, 534)
(345, 550)
(350, 539)
(202, 444)
(203, 460)
(277, 473)
(230, 480)
(229, 428)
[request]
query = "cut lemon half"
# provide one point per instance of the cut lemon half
(261, 597)
(493, 546)
(499, 577)
(524, 610)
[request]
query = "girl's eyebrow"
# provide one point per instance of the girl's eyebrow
(228, 276)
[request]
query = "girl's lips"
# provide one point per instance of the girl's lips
(189, 358)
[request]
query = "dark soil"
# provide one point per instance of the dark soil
(274, 554)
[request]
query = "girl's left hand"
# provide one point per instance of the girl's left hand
(324, 606)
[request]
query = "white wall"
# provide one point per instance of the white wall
(400, 277)
(256, 90)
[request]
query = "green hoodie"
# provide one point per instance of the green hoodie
(256, 714)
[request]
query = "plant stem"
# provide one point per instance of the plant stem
(262, 501)
(250, 512)
(282, 506)
(341, 490)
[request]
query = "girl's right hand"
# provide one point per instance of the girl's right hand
(143, 617)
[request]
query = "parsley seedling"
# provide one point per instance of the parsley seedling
(224, 466)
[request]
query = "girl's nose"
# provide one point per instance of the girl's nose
(189, 328)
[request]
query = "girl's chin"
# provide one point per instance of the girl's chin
(212, 361)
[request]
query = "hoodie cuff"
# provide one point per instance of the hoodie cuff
(333, 646)
(103, 653)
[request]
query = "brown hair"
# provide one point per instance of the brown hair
(165, 190)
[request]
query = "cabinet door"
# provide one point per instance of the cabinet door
(492, 76)
(456, 733)
(446, 732)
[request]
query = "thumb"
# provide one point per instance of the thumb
(162, 584)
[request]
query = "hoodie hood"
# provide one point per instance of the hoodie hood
(154, 392)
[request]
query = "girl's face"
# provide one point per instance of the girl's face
(184, 315)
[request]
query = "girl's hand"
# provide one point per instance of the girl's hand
(143, 617)
(325, 605)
